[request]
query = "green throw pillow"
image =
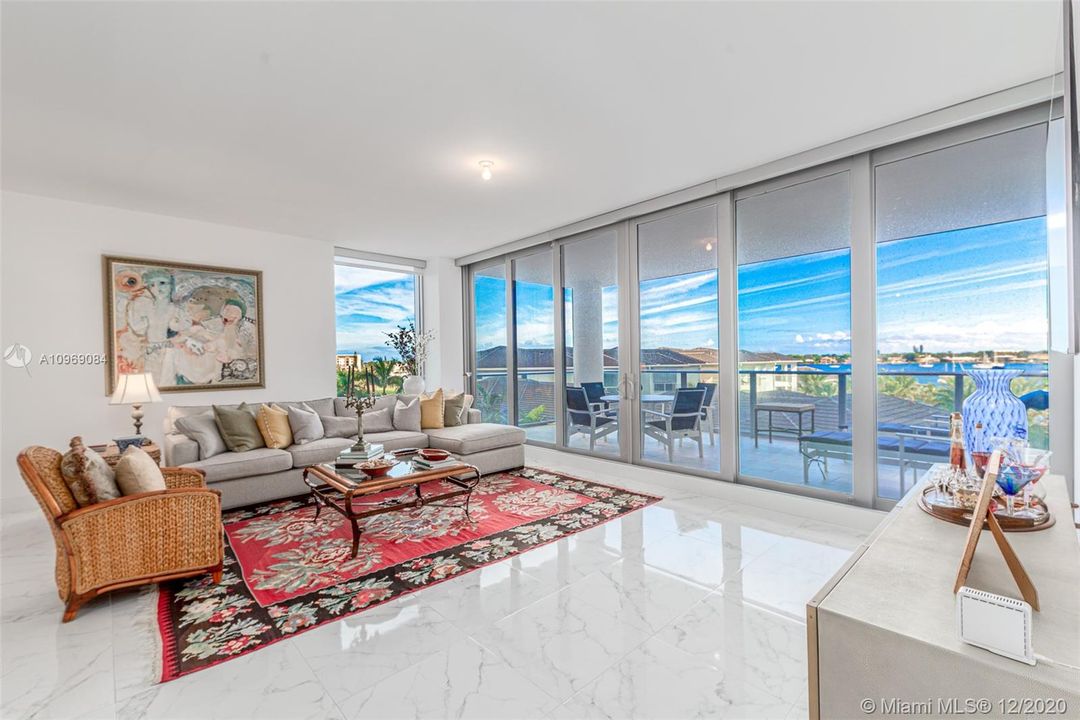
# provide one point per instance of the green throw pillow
(238, 428)
(453, 410)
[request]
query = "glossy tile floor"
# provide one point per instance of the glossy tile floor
(690, 608)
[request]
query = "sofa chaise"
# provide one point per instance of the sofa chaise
(268, 474)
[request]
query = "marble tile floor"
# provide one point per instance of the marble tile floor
(689, 608)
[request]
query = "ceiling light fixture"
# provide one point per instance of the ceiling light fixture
(485, 169)
(708, 246)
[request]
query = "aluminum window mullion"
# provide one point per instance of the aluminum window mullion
(558, 360)
(863, 334)
(727, 388)
(511, 344)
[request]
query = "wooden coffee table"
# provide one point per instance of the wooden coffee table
(339, 488)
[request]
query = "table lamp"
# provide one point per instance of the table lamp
(134, 390)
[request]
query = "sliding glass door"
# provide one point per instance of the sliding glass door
(489, 332)
(678, 339)
(793, 239)
(590, 319)
(534, 346)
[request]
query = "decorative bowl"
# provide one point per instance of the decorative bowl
(376, 468)
(433, 454)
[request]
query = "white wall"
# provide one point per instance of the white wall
(51, 301)
(443, 312)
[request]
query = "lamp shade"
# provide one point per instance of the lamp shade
(135, 389)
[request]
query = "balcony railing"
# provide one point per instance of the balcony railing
(952, 386)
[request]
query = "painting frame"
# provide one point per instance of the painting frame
(110, 292)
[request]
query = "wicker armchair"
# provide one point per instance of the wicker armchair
(133, 540)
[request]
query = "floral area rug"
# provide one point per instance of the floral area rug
(286, 572)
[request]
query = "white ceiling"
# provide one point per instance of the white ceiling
(362, 124)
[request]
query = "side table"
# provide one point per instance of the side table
(111, 454)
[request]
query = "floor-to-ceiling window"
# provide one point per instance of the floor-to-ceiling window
(679, 338)
(793, 244)
(782, 301)
(489, 342)
(369, 303)
(534, 352)
(961, 290)
(591, 332)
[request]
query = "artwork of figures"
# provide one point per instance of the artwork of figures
(193, 327)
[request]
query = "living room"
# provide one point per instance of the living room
(513, 360)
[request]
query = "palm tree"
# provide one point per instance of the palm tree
(383, 371)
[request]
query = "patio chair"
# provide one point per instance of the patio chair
(707, 412)
(587, 418)
(684, 420)
(594, 391)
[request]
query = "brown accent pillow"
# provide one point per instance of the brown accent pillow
(454, 410)
(138, 473)
(238, 428)
(432, 410)
(87, 475)
(274, 427)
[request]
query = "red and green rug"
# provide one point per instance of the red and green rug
(286, 572)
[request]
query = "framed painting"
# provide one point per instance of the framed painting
(193, 327)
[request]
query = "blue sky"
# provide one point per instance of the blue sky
(369, 304)
(970, 289)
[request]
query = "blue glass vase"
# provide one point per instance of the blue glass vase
(993, 405)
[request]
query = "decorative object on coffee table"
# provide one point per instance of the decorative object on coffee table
(192, 327)
(135, 390)
(286, 574)
(359, 403)
(412, 346)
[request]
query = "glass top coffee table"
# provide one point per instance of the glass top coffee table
(340, 488)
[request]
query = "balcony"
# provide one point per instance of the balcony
(910, 403)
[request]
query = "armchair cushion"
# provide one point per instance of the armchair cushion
(88, 476)
(138, 473)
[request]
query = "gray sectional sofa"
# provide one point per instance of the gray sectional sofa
(267, 474)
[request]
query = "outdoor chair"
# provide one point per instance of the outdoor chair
(684, 421)
(588, 418)
(707, 411)
(594, 391)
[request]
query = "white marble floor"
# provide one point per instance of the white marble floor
(690, 608)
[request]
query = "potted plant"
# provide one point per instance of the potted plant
(412, 346)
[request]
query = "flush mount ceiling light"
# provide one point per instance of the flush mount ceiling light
(485, 169)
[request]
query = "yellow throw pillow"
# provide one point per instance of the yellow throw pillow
(431, 410)
(274, 426)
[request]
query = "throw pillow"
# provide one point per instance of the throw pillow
(137, 472)
(338, 427)
(305, 423)
(87, 475)
(407, 415)
(238, 428)
(379, 421)
(203, 429)
(432, 410)
(274, 426)
(453, 410)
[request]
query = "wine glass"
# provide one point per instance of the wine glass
(1020, 466)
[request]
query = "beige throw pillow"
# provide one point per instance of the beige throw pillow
(274, 426)
(138, 473)
(87, 475)
(432, 410)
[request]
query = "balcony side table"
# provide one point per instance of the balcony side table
(797, 409)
